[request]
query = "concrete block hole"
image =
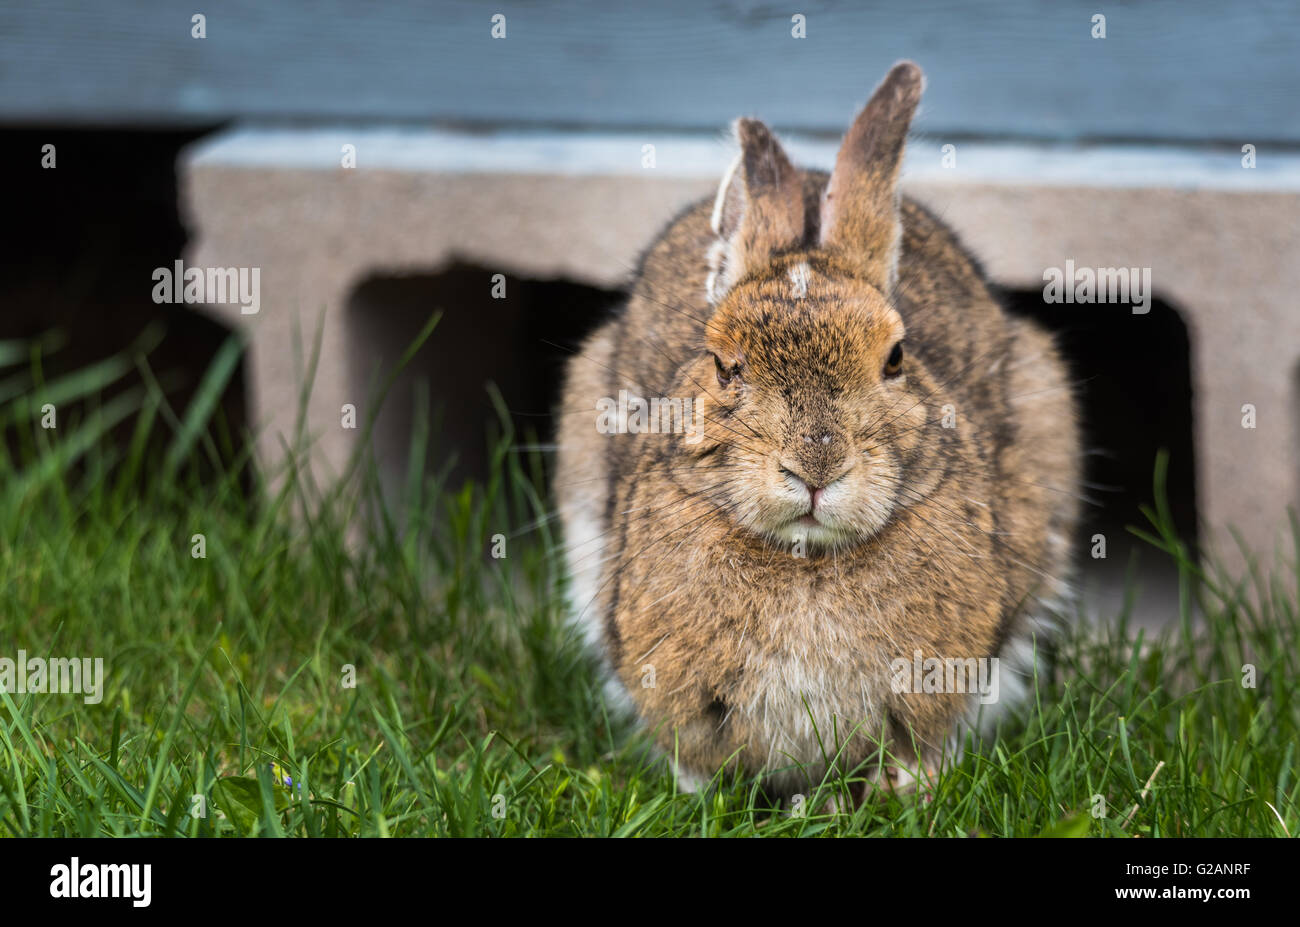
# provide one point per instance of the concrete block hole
(519, 343)
(1132, 376)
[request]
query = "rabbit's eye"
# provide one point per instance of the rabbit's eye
(894, 365)
(725, 373)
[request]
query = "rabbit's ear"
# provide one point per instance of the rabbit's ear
(759, 209)
(859, 215)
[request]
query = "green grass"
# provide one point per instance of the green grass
(474, 711)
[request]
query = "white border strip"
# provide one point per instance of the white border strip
(680, 155)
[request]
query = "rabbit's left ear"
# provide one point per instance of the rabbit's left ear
(759, 209)
(859, 216)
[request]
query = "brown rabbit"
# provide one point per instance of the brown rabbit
(876, 474)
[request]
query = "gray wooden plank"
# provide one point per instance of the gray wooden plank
(1167, 69)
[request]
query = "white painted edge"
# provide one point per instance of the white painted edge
(607, 154)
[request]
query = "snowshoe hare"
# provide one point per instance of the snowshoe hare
(813, 478)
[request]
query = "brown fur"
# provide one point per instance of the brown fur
(942, 540)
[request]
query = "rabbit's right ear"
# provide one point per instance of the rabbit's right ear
(759, 209)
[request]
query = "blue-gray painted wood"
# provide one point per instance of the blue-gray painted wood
(1167, 69)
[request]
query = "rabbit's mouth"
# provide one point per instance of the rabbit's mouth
(840, 516)
(814, 529)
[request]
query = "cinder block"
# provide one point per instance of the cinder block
(1221, 242)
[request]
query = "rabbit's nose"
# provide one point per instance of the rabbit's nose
(820, 453)
(807, 484)
(814, 492)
